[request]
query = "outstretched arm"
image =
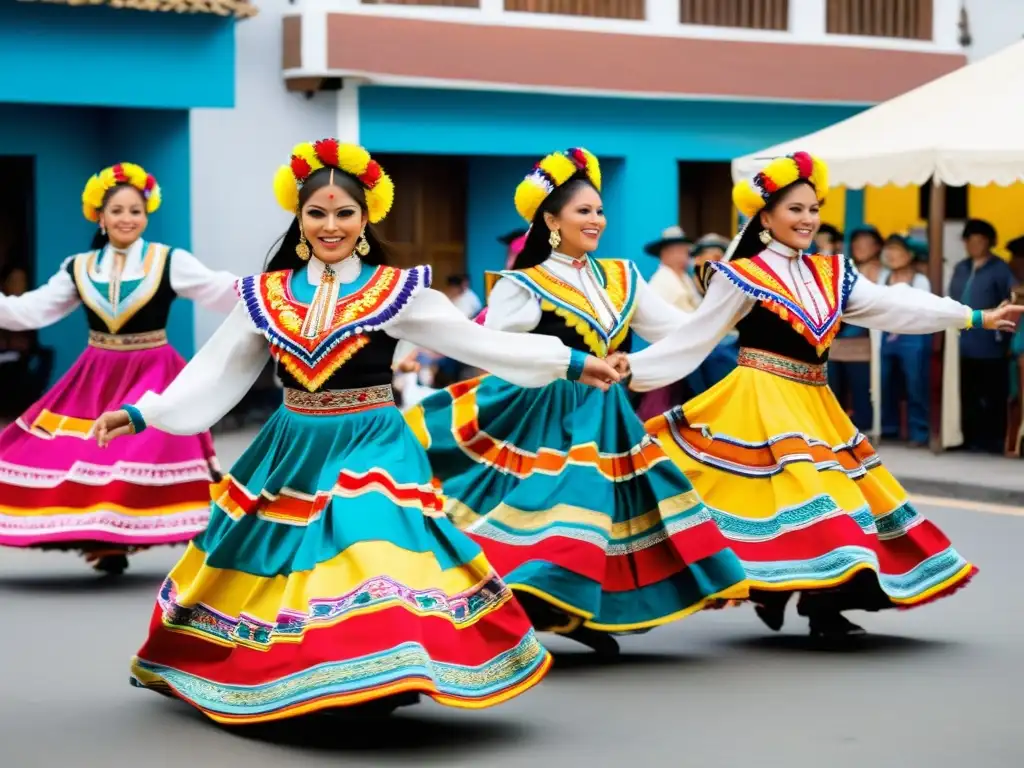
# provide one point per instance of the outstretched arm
(212, 383)
(682, 351)
(42, 307)
(903, 309)
(191, 279)
(527, 360)
(656, 318)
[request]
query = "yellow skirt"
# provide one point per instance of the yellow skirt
(801, 494)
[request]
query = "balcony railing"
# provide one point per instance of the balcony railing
(434, 3)
(744, 14)
(907, 19)
(600, 9)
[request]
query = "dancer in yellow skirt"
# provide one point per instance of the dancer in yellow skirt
(799, 492)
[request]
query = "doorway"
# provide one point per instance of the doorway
(428, 222)
(705, 198)
(24, 367)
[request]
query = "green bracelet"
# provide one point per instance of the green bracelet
(977, 319)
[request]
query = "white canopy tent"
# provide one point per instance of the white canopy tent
(964, 128)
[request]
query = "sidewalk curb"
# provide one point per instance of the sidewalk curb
(959, 490)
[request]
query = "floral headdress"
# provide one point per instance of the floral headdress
(348, 158)
(751, 195)
(97, 187)
(551, 173)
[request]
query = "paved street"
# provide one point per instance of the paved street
(940, 687)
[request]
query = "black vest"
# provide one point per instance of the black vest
(763, 329)
(368, 367)
(151, 317)
(552, 324)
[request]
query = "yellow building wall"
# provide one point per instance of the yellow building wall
(833, 211)
(1002, 207)
(892, 209)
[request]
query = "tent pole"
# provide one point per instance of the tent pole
(936, 275)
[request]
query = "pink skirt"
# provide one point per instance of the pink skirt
(59, 489)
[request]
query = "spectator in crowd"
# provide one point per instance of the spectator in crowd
(905, 358)
(672, 279)
(829, 240)
(709, 247)
(462, 296)
(1015, 427)
(849, 360)
(984, 281)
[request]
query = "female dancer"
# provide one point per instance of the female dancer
(797, 489)
(329, 575)
(577, 508)
(58, 489)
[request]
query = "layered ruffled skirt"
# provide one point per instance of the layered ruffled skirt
(802, 496)
(328, 577)
(59, 489)
(574, 504)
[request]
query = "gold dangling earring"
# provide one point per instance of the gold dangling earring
(362, 245)
(554, 239)
(302, 249)
(766, 237)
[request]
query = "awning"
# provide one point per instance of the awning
(966, 127)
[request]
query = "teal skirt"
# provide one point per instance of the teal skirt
(329, 576)
(574, 504)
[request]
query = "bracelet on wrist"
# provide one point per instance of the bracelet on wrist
(577, 360)
(135, 420)
(977, 319)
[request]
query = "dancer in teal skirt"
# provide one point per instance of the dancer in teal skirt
(576, 507)
(329, 575)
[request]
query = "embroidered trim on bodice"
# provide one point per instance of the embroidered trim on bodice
(618, 278)
(97, 298)
(757, 280)
(312, 361)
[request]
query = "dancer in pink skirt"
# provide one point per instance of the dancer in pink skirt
(58, 489)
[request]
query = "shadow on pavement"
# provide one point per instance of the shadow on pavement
(87, 581)
(585, 660)
(870, 644)
(396, 735)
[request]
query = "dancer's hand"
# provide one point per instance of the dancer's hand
(110, 425)
(1004, 318)
(408, 365)
(599, 374)
(620, 362)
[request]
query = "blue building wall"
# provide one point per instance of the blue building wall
(101, 56)
(69, 144)
(639, 141)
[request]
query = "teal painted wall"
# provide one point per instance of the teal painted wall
(639, 141)
(69, 144)
(101, 56)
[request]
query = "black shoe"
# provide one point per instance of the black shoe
(834, 626)
(112, 565)
(600, 642)
(774, 616)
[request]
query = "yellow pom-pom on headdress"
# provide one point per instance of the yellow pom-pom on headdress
(551, 173)
(751, 195)
(348, 158)
(97, 187)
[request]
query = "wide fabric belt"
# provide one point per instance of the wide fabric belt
(812, 374)
(127, 342)
(332, 402)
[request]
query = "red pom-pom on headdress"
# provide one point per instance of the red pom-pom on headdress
(327, 151)
(371, 175)
(300, 167)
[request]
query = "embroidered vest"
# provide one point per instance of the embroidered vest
(566, 312)
(143, 305)
(353, 352)
(757, 280)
